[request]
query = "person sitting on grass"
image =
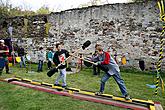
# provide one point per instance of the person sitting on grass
(109, 66)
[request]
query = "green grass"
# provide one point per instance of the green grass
(13, 97)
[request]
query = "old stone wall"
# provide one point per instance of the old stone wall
(132, 28)
(125, 28)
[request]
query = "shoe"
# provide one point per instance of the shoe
(99, 93)
(127, 97)
(64, 86)
(57, 85)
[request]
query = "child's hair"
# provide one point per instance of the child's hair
(97, 45)
(50, 48)
(58, 45)
(99, 48)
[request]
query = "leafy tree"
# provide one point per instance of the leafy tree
(4, 10)
(43, 10)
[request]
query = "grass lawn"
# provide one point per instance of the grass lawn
(13, 97)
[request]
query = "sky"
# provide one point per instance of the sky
(55, 5)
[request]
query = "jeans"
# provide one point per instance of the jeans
(40, 64)
(118, 79)
(4, 63)
(22, 62)
(7, 66)
(62, 76)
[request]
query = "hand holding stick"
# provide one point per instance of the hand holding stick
(53, 70)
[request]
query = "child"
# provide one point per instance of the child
(40, 59)
(109, 66)
(59, 57)
(49, 58)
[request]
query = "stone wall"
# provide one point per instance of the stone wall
(132, 28)
(25, 26)
(126, 28)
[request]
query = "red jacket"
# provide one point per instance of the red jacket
(106, 59)
(5, 48)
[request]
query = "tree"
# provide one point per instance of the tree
(4, 10)
(43, 10)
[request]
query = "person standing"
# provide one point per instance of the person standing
(59, 58)
(4, 52)
(41, 57)
(109, 66)
(123, 59)
(21, 54)
(50, 58)
(96, 69)
(127, 55)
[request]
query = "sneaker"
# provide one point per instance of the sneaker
(99, 93)
(127, 97)
(64, 86)
(57, 85)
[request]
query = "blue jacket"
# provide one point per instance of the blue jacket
(50, 55)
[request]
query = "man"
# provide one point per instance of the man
(4, 52)
(59, 57)
(21, 53)
(109, 66)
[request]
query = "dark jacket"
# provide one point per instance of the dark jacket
(21, 52)
(59, 57)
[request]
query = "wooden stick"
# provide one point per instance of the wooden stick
(83, 59)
